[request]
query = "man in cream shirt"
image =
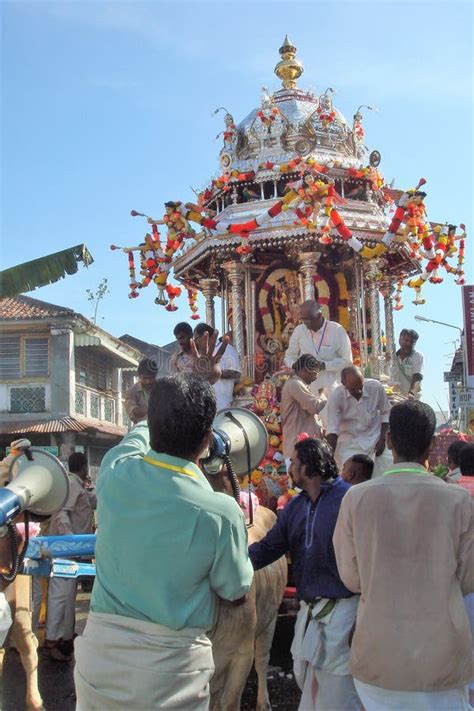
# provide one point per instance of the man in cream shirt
(327, 341)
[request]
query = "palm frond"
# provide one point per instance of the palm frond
(45, 270)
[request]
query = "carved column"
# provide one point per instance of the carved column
(235, 271)
(375, 330)
(389, 327)
(209, 288)
(308, 268)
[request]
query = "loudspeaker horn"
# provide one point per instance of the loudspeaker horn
(241, 435)
(40, 485)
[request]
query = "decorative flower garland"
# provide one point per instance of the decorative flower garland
(326, 118)
(268, 116)
(192, 301)
(308, 197)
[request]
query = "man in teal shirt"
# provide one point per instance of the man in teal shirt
(168, 547)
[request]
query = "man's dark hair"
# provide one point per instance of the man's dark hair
(409, 332)
(317, 455)
(365, 463)
(203, 328)
(412, 425)
(181, 409)
(305, 361)
(183, 327)
(466, 460)
(76, 462)
(454, 450)
(147, 366)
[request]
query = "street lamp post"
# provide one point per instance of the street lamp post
(464, 365)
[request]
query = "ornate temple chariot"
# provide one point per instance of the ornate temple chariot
(298, 211)
(297, 138)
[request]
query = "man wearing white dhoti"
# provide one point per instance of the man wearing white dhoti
(327, 341)
(358, 413)
(404, 541)
(167, 547)
(327, 613)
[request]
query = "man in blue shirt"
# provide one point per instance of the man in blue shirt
(168, 547)
(328, 609)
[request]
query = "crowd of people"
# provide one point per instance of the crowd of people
(382, 550)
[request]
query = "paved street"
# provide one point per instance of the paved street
(57, 685)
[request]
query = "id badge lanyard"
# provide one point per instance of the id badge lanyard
(420, 472)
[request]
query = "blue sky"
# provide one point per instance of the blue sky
(107, 107)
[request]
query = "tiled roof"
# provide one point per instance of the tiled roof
(22, 308)
(63, 424)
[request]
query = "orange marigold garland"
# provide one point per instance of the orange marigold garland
(397, 297)
(192, 300)
(310, 196)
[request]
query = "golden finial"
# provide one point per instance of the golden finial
(288, 69)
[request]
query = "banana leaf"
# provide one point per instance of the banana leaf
(45, 270)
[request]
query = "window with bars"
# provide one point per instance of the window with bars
(28, 400)
(24, 357)
(109, 410)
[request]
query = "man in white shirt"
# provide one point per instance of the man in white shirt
(358, 412)
(230, 368)
(327, 341)
(408, 365)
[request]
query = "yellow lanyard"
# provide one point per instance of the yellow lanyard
(171, 467)
(420, 472)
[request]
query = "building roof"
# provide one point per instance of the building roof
(62, 424)
(161, 354)
(24, 308)
(147, 349)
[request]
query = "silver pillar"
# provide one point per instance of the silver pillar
(209, 288)
(389, 327)
(376, 350)
(235, 272)
(360, 287)
(308, 268)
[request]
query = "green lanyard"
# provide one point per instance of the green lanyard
(409, 471)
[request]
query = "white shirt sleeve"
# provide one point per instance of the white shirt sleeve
(384, 405)
(343, 352)
(293, 351)
(417, 363)
(230, 359)
(334, 410)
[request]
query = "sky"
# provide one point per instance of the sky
(107, 107)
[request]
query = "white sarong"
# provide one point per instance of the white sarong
(123, 663)
(320, 653)
(376, 699)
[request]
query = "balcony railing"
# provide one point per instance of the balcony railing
(97, 405)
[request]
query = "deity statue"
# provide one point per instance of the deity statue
(177, 225)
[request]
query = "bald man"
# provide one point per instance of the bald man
(327, 341)
(358, 412)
